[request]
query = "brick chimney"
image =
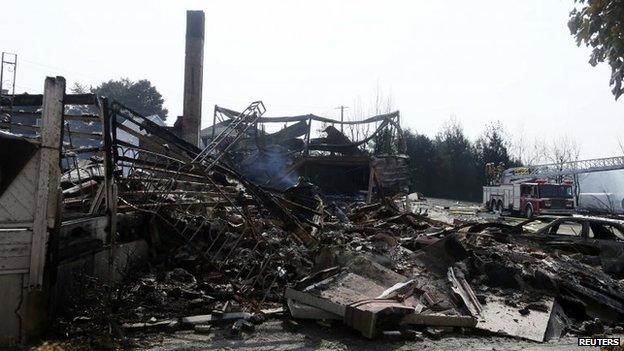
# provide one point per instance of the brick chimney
(193, 73)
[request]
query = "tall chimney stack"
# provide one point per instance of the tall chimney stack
(193, 74)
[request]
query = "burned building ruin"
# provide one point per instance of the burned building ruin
(367, 159)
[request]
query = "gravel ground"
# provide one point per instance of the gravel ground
(274, 335)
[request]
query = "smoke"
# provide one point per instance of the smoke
(269, 165)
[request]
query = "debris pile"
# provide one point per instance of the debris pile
(229, 252)
(218, 273)
(489, 280)
(378, 270)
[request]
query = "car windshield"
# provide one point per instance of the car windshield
(553, 190)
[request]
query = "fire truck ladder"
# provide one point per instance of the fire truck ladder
(522, 174)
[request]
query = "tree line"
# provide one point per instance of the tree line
(450, 165)
(140, 95)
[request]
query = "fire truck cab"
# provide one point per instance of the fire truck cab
(546, 198)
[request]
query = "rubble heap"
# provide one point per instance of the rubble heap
(378, 269)
(225, 250)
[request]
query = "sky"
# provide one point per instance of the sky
(472, 61)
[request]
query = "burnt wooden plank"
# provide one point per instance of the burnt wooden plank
(48, 183)
(14, 263)
(14, 237)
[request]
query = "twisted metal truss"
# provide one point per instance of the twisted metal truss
(191, 190)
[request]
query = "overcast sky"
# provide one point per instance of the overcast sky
(476, 61)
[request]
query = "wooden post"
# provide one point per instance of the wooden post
(371, 179)
(48, 184)
(110, 190)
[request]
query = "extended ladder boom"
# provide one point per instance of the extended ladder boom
(520, 174)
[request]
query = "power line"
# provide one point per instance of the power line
(31, 89)
(61, 69)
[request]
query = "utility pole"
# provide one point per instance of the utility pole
(341, 107)
(9, 64)
(8, 71)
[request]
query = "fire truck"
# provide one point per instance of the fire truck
(541, 189)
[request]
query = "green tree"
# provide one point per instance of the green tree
(599, 24)
(140, 96)
(79, 88)
(493, 147)
(420, 150)
(456, 171)
(451, 166)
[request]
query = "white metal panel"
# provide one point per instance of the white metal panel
(508, 198)
(516, 197)
(486, 195)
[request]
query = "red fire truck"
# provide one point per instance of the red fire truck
(530, 198)
(540, 189)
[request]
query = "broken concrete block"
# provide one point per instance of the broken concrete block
(356, 296)
(307, 299)
(303, 311)
(498, 317)
(373, 316)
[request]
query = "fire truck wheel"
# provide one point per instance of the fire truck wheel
(529, 211)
